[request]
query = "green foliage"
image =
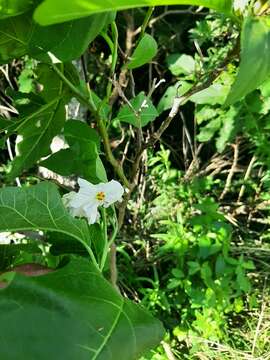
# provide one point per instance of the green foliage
(9, 8)
(254, 66)
(144, 52)
(66, 310)
(39, 207)
(181, 252)
(37, 130)
(139, 112)
(81, 157)
(181, 64)
(51, 12)
(20, 35)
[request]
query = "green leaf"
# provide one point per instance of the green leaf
(9, 8)
(166, 102)
(142, 112)
(38, 207)
(214, 94)
(209, 130)
(144, 52)
(53, 12)
(37, 130)
(81, 158)
(66, 41)
(20, 35)
(228, 128)
(73, 313)
(255, 65)
(181, 64)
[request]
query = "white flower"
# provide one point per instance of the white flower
(86, 201)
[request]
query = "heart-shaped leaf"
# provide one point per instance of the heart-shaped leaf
(39, 207)
(72, 313)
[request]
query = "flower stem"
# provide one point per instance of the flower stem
(108, 243)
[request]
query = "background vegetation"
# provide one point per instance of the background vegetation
(194, 244)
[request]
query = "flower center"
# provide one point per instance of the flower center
(100, 196)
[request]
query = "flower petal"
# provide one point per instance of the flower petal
(67, 198)
(86, 187)
(91, 213)
(78, 200)
(113, 191)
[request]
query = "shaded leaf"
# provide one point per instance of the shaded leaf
(9, 8)
(81, 158)
(78, 313)
(209, 130)
(37, 130)
(20, 35)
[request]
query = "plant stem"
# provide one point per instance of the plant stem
(114, 52)
(145, 22)
(108, 243)
(101, 125)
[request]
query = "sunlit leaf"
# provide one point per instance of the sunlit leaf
(141, 112)
(181, 64)
(255, 65)
(38, 207)
(53, 12)
(144, 52)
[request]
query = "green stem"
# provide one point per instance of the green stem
(101, 125)
(108, 243)
(145, 22)
(92, 256)
(114, 52)
(108, 40)
(105, 233)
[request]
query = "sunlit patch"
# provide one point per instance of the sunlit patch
(100, 196)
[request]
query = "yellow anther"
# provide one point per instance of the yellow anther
(100, 196)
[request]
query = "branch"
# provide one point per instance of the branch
(101, 125)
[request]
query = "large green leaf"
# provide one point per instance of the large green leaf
(81, 158)
(255, 63)
(38, 207)
(144, 52)
(72, 313)
(53, 12)
(37, 130)
(10, 8)
(20, 35)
